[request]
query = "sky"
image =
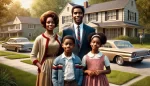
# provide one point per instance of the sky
(27, 3)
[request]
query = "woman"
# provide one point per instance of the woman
(46, 47)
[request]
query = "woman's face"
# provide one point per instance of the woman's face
(50, 24)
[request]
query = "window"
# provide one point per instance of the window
(107, 45)
(31, 26)
(68, 9)
(131, 3)
(17, 26)
(131, 16)
(93, 16)
(111, 15)
(66, 19)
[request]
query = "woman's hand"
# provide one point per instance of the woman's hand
(89, 72)
(38, 65)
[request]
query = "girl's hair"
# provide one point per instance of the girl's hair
(101, 37)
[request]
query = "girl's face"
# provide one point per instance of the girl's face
(50, 24)
(95, 43)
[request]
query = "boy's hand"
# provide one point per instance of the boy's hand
(89, 72)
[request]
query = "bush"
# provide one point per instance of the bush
(133, 40)
(6, 79)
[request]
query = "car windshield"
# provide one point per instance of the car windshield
(22, 40)
(123, 44)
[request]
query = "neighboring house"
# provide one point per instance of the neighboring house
(22, 26)
(114, 18)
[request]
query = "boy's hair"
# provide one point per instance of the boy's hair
(68, 37)
(78, 6)
(101, 37)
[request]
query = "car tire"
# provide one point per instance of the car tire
(119, 60)
(139, 61)
(17, 50)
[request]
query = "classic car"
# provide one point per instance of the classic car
(121, 51)
(18, 44)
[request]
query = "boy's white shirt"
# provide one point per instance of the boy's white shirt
(95, 56)
(69, 69)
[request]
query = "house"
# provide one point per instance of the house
(114, 18)
(22, 26)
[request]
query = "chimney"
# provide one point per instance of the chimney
(85, 4)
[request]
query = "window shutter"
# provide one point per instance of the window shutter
(117, 14)
(88, 17)
(106, 15)
(62, 20)
(96, 16)
(128, 14)
(135, 17)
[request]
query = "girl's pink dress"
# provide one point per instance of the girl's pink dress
(96, 80)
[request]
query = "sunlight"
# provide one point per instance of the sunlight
(26, 3)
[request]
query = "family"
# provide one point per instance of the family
(73, 59)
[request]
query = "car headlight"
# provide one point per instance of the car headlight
(133, 55)
(148, 52)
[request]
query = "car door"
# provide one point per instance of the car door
(7, 44)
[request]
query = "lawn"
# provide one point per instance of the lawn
(143, 82)
(22, 78)
(119, 78)
(27, 61)
(4, 53)
(146, 45)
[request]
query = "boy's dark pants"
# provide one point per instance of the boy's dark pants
(70, 83)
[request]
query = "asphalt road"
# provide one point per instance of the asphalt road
(142, 68)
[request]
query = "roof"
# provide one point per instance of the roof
(29, 20)
(73, 4)
(115, 4)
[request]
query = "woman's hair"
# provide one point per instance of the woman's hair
(68, 37)
(47, 14)
(78, 6)
(101, 37)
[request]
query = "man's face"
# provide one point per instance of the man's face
(77, 16)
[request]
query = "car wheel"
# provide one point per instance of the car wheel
(119, 60)
(17, 50)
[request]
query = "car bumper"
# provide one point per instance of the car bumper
(25, 49)
(138, 58)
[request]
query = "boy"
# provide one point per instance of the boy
(67, 69)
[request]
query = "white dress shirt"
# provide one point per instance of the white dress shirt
(69, 69)
(81, 30)
(96, 56)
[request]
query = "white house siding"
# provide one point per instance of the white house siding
(64, 13)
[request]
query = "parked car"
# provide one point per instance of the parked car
(121, 51)
(18, 44)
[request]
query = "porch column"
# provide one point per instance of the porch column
(9, 34)
(124, 31)
(133, 32)
(17, 34)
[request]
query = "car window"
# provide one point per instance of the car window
(22, 40)
(107, 45)
(123, 44)
(10, 40)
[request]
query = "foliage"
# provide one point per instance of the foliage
(22, 78)
(27, 61)
(38, 8)
(5, 53)
(6, 78)
(17, 56)
(131, 39)
(97, 1)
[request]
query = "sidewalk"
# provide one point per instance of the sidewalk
(16, 63)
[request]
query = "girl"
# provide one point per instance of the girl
(94, 62)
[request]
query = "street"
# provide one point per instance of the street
(142, 68)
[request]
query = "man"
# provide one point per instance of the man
(79, 31)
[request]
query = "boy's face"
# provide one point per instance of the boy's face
(68, 45)
(95, 43)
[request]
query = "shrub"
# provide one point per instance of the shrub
(6, 79)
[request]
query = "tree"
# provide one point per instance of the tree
(3, 9)
(40, 6)
(97, 1)
(143, 7)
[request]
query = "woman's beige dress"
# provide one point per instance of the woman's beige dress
(44, 77)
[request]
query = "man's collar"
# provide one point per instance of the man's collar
(75, 25)
(64, 56)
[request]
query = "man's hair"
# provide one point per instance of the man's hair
(68, 37)
(78, 6)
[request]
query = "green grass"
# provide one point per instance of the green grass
(17, 56)
(22, 78)
(119, 78)
(146, 45)
(27, 61)
(4, 53)
(142, 82)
